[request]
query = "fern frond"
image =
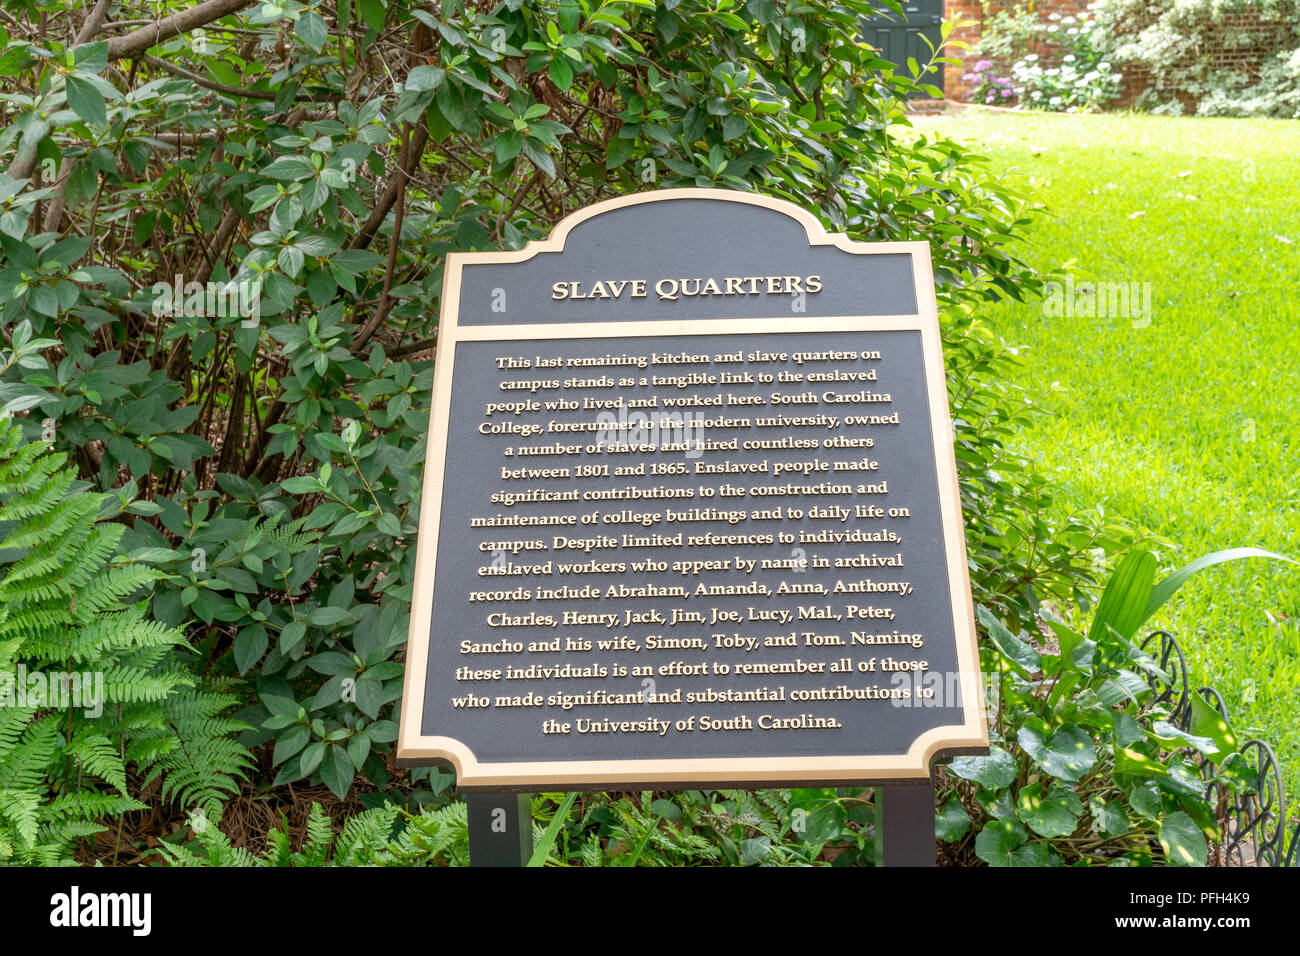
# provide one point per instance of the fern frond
(24, 766)
(68, 607)
(207, 763)
(21, 808)
(85, 805)
(33, 493)
(280, 851)
(95, 754)
(108, 588)
(319, 839)
(362, 833)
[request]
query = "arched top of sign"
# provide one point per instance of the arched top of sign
(669, 233)
(569, 228)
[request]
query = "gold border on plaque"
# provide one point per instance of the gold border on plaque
(971, 736)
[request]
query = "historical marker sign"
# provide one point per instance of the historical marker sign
(690, 512)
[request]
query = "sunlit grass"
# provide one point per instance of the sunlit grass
(1189, 427)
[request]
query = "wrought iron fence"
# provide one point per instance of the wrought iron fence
(1254, 821)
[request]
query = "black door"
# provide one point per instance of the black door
(900, 37)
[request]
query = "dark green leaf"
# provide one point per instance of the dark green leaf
(86, 101)
(1023, 658)
(1209, 723)
(290, 742)
(250, 645)
(1109, 819)
(1182, 840)
(994, 771)
(1054, 814)
(336, 771)
(312, 30)
(952, 822)
(1066, 753)
(999, 839)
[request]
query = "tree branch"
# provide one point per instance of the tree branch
(94, 23)
(366, 233)
(421, 345)
(137, 41)
(403, 164)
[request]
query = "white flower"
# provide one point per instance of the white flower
(1068, 58)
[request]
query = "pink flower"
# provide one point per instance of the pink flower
(983, 65)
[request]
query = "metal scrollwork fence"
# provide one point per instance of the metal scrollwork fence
(1254, 821)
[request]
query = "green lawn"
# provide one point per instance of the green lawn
(1189, 427)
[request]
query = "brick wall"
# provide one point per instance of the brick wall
(1243, 41)
(974, 12)
(966, 11)
(1239, 43)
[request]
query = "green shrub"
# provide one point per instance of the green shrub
(1089, 764)
(1239, 58)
